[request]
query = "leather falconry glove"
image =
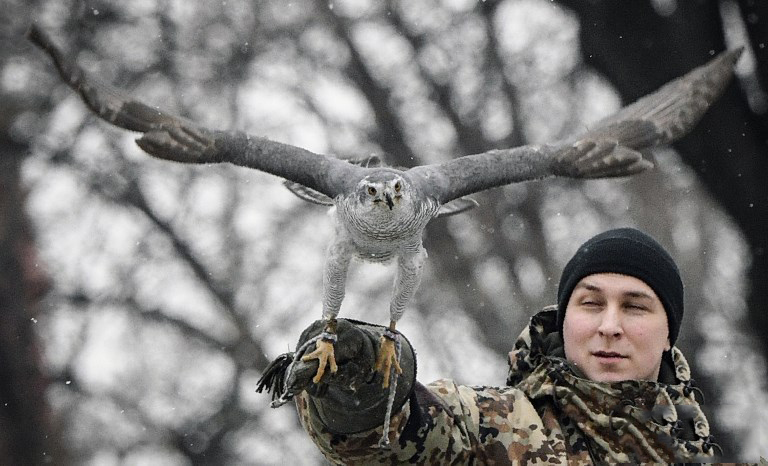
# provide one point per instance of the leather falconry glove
(351, 400)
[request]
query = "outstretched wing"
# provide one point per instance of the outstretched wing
(171, 137)
(612, 148)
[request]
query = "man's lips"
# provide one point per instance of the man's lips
(608, 355)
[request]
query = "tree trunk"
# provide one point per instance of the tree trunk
(25, 424)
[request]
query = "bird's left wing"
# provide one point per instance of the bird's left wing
(612, 148)
(174, 138)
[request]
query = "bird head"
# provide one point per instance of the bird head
(384, 189)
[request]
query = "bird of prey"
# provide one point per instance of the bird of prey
(381, 212)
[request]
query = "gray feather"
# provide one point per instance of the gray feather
(457, 206)
(308, 194)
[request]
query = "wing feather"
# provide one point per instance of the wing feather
(676, 107)
(171, 137)
(308, 194)
(612, 148)
(457, 206)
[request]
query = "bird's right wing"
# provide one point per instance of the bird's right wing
(675, 108)
(174, 138)
(612, 148)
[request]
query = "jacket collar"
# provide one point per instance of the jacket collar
(663, 417)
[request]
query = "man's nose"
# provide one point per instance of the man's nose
(611, 325)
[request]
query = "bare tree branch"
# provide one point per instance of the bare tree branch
(391, 135)
(496, 68)
(470, 137)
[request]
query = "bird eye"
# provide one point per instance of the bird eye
(398, 186)
(371, 190)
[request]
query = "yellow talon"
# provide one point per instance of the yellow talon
(325, 355)
(386, 359)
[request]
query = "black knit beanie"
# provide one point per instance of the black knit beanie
(629, 252)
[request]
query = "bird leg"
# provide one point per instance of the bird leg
(407, 277)
(388, 357)
(334, 279)
(324, 351)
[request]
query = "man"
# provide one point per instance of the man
(594, 379)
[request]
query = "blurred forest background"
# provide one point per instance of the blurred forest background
(140, 300)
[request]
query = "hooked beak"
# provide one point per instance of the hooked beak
(390, 204)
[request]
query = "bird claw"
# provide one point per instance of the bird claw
(325, 355)
(387, 359)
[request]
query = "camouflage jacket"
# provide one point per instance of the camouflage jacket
(547, 414)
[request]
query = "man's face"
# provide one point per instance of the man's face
(615, 328)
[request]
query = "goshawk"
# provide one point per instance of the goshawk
(381, 212)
